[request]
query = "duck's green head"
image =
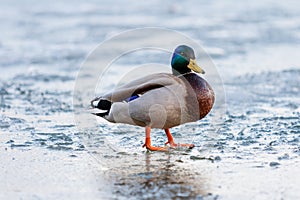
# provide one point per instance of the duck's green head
(183, 61)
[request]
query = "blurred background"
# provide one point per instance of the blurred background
(60, 35)
(255, 48)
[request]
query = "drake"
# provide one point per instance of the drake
(160, 100)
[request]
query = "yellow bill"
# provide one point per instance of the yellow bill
(193, 66)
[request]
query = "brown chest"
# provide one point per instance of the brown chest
(200, 98)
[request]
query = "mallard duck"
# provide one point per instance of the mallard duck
(161, 100)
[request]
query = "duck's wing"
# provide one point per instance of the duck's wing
(131, 90)
(141, 86)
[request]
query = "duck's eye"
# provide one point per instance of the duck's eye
(181, 53)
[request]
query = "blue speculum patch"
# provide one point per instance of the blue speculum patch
(132, 98)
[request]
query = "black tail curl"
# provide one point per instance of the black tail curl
(102, 104)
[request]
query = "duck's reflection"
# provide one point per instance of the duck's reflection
(162, 176)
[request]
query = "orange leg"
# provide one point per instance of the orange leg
(173, 144)
(148, 142)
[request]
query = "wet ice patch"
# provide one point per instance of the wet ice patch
(37, 108)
